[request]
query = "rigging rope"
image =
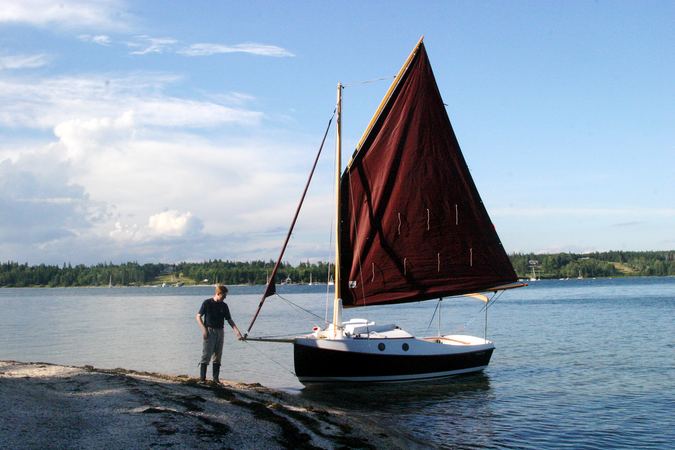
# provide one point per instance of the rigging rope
(488, 304)
(434, 314)
(301, 308)
(494, 298)
(374, 80)
(270, 289)
(271, 359)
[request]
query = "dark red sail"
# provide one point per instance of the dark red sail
(413, 224)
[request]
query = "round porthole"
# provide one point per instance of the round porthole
(381, 346)
(405, 347)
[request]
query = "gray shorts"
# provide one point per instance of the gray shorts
(213, 346)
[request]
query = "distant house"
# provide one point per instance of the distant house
(168, 270)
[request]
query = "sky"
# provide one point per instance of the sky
(184, 131)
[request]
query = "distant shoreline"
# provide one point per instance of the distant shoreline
(154, 286)
(610, 264)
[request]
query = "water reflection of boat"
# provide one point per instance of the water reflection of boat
(393, 396)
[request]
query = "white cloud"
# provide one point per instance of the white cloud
(206, 49)
(173, 223)
(16, 62)
(100, 14)
(100, 39)
(122, 149)
(45, 103)
(80, 136)
(125, 233)
(103, 203)
(171, 112)
(235, 98)
(147, 45)
(40, 203)
(166, 224)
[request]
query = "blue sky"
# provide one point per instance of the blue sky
(172, 131)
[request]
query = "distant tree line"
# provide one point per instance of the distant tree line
(589, 265)
(559, 265)
(253, 272)
(13, 274)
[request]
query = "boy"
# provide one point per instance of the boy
(211, 319)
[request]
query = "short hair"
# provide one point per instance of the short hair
(221, 289)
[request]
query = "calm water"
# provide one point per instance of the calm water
(578, 364)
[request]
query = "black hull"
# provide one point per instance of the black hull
(313, 364)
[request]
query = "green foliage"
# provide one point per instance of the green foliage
(13, 274)
(559, 265)
(599, 264)
(127, 274)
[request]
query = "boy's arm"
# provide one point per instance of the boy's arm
(200, 321)
(235, 329)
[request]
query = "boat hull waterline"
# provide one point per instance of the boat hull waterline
(386, 360)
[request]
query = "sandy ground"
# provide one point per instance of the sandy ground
(49, 406)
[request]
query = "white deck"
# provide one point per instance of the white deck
(363, 336)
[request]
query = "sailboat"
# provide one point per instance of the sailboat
(533, 277)
(410, 227)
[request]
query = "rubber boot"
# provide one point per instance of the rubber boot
(202, 372)
(216, 373)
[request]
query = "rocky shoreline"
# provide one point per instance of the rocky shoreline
(46, 405)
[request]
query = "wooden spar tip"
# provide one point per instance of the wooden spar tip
(505, 287)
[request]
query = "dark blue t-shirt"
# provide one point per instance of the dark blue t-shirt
(215, 313)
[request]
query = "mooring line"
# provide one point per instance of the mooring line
(271, 359)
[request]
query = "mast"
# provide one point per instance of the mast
(337, 302)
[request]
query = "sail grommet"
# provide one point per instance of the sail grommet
(381, 346)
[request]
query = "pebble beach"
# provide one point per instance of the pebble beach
(46, 405)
